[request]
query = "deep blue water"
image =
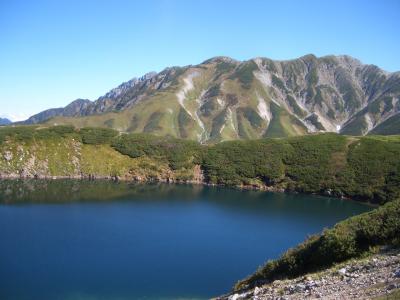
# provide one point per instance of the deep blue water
(101, 240)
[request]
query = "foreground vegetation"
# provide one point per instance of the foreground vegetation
(347, 239)
(363, 168)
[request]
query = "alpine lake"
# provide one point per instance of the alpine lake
(79, 239)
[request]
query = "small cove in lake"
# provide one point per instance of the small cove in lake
(72, 239)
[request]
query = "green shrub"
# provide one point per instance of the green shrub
(18, 133)
(97, 136)
(235, 162)
(179, 153)
(347, 239)
(365, 168)
(374, 166)
(55, 131)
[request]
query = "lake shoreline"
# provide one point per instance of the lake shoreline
(377, 275)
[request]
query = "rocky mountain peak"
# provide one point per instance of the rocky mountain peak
(123, 87)
(220, 59)
(222, 99)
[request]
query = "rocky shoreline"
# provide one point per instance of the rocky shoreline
(374, 277)
(199, 180)
(142, 179)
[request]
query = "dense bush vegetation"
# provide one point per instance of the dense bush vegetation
(312, 163)
(20, 133)
(179, 153)
(239, 162)
(373, 167)
(86, 135)
(55, 132)
(27, 133)
(347, 239)
(366, 168)
(97, 136)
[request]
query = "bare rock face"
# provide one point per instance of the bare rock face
(198, 175)
(224, 99)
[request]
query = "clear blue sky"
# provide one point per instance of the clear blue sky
(52, 52)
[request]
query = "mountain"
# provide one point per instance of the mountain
(73, 109)
(4, 121)
(225, 99)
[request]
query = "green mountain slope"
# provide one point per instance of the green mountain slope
(390, 126)
(223, 99)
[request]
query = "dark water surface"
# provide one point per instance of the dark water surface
(103, 240)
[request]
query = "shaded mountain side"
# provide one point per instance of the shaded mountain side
(389, 126)
(224, 99)
(73, 109)
(4, 121)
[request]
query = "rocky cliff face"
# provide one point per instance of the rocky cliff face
(223, 99)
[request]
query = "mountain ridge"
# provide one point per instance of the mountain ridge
(5, 121)
(224, 99)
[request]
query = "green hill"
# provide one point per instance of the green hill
(365, 168)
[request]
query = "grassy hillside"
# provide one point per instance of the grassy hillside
(31, 151)
(390, 126)
(364, 168)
